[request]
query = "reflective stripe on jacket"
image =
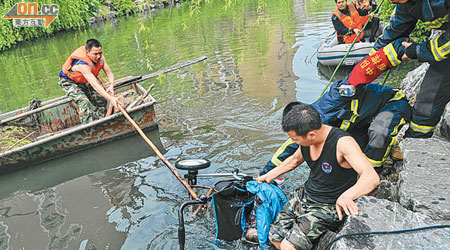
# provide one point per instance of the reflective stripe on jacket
(357, 111)
(434, 14)
(81, 54)
(351, 22)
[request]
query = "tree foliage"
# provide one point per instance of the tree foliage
(72, 14)
(420, 33)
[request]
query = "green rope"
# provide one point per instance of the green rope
(345, 56)
(386, 76)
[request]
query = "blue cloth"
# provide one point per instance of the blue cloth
(333, 108)
(273, 200)
(74, 62)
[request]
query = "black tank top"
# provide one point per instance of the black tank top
(327, 179)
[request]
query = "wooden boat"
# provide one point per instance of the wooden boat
(330, 52)
(54, 128)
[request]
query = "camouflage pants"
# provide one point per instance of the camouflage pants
(91, 105)
(301, 222)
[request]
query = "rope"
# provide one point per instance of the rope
(348, 52)
(385, 232)
(386, 76)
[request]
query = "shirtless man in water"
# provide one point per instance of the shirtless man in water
(335, 160)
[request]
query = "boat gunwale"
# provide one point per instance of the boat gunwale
(76, 129)
(325, 53)
(120, 83)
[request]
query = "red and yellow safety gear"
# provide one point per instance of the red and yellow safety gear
(81, 54)
(351, 22)
(374, 65)
(363, 5)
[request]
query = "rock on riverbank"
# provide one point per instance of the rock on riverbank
(420, 197)
(423, 200)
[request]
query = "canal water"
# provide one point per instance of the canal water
(261, 56)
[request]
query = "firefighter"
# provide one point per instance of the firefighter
(434, 92)
(79, 80)
(371, 113)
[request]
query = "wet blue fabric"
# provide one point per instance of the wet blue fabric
(333, 108)
(75, 62)
(273, 199)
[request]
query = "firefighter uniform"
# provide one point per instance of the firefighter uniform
(434, 92)
(373, 115)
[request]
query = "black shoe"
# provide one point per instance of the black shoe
(371, 39)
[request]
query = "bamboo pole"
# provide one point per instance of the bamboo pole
(141, 98)
(158, 153)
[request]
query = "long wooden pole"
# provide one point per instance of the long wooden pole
(158, 153)
(119, 83)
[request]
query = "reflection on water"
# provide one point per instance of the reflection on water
(226, 109)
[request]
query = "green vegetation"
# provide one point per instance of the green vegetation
(419, 34)
(124, 7)
(73, 14)
(12, 137)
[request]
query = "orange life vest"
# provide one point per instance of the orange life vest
(81, 54)
(352, 22)
(362, 5)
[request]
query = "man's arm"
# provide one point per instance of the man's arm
(433, 50)
(340, 27)
(287, 165)
(367, 181)
(401, 25)
(86, 71)
(109, 76)
(287, 149)
(363, 12)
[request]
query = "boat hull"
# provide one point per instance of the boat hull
(79, 138)
(330, 53)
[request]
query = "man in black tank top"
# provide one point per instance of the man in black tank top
(335, 160)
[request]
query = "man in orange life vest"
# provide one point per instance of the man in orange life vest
(347, 21)
(78, 79)
(374, 22)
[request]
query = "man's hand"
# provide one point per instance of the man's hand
(114, 101)
(346, 204)
(371, 16)
(110, 89)
(406, 45)
(356, 31)
(264, 178)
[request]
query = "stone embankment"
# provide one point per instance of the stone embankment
(419, 198)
